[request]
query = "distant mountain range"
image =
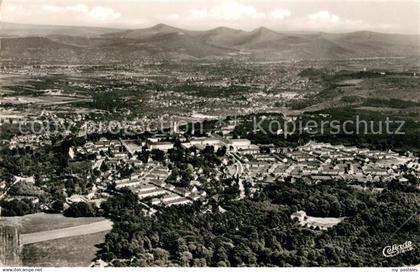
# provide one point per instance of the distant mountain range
(101, 45)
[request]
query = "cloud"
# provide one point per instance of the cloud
(280, 13)
(324, 20)
(199, 13)
(11, 9)
(229, 11)
(104, 14)
(324, 16)
(81, 8)
(233, 10)
(315, 15)
(96, 13)
(172, 17)
(52, 9)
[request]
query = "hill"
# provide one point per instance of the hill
(157, 30)
(24, 30)
(93, 45)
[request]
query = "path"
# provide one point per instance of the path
(8, 189)
(238, 173)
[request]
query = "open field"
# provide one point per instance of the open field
(44, 222)
(321, 222)
(54, 240)
(42, 100)
(326, 222)
(76, 251)
(85, 229)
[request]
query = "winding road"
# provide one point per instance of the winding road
(238, 173)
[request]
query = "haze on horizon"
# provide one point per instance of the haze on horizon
(392, 16)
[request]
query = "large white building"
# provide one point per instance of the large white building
(240, 144)
(162, 146)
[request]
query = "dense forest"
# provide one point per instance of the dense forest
(53, 176)
(259, 231)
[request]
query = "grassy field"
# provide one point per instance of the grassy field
(77, 251)
(67, 252)
(321, 222)
(44, 222)
(85, 229)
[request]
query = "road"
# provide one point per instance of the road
(98, 164)
(43, 236)
(242, 194)
(239, 172)
(143, 176)
(8, 189)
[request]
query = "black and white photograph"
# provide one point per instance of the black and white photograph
(281, 134)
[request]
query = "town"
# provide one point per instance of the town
(148, 167)
(153, 151)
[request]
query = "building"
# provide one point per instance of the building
(239, 144)
(162, 146)
(250, 150)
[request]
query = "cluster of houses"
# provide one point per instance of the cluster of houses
(313, 161)
(31, 141)
(323, 161)
(254, 163)
(147, 180)
(150, 186)
(26, 194)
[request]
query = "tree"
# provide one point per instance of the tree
(221, 151)
(160, 255)
(106, 101)
(335, 209)
(17, 207)
(80, 209)
(221, 256)
(199, 262)
(158, 155)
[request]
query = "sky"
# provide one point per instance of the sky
(396, 16)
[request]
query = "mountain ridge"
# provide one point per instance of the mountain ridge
(166, 41)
